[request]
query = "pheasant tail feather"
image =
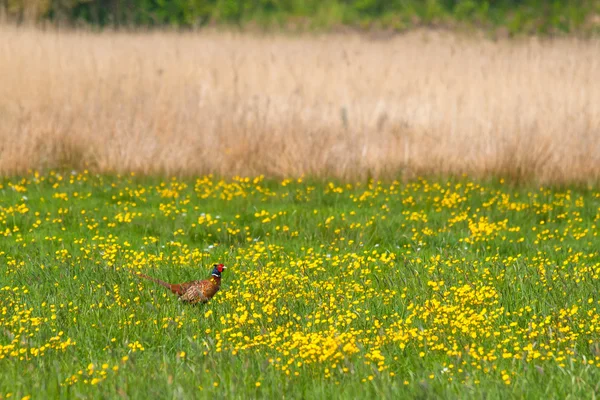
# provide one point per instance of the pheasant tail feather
(162, 283)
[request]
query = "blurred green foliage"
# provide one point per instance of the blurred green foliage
(513, 16)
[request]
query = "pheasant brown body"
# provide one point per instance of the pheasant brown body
(194, 291)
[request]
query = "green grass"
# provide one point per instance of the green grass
(425, 289)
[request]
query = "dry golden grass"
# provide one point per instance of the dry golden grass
(332, 105)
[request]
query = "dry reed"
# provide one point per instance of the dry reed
(341, 106)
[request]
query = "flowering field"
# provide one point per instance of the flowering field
(453, 289)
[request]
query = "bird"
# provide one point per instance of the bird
(194, 292)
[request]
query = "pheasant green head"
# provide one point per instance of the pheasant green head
(218, 269)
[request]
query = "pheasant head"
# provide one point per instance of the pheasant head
(217, 270)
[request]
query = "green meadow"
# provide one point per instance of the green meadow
(423, 289)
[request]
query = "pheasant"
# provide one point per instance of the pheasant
(194, 292)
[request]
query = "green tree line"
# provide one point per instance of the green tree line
(531, 16)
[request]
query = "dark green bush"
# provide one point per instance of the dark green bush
(529, 16)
